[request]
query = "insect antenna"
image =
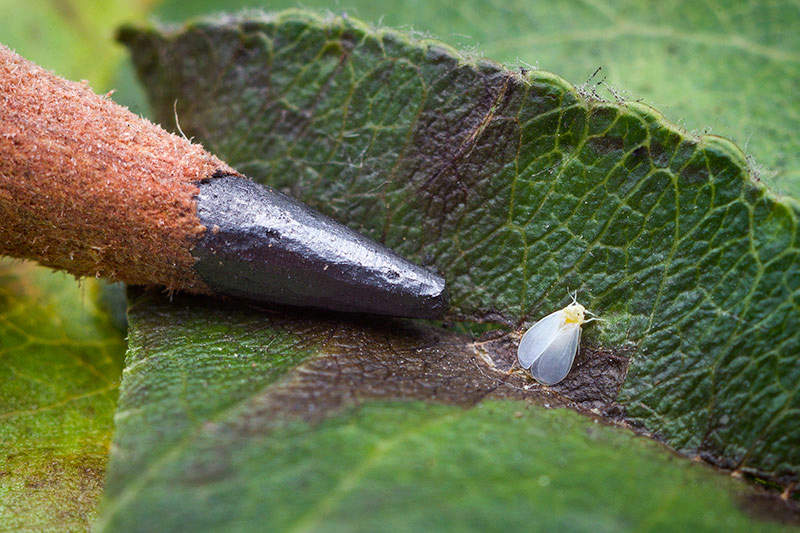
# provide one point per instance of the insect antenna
(573, 295)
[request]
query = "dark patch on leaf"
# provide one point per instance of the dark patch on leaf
(353, 359)
(607, 144)
(658, 154)
(769, 506)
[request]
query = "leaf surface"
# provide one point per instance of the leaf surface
(244, 419)
(60, 362)
(727, 67)
(516, 188)
(519, 189)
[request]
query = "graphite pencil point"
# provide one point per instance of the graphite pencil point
(268, 246)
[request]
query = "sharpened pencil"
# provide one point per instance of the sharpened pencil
(88, 187)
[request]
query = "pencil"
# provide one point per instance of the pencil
(88, 187)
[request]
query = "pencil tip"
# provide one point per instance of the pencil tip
(418, 293)
(263, 245)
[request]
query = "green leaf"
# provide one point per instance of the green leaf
(518, 188)
(729, 67)
(60, 362)
(219, 429)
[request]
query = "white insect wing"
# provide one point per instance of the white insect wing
(555, 362)
(538, 338)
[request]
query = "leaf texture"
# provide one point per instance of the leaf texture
(518, 188)
(248, 419)
(60, 363)
(729, 67)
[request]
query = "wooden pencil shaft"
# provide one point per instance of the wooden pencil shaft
(89, 187)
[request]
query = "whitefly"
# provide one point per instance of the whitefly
(548, 348)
